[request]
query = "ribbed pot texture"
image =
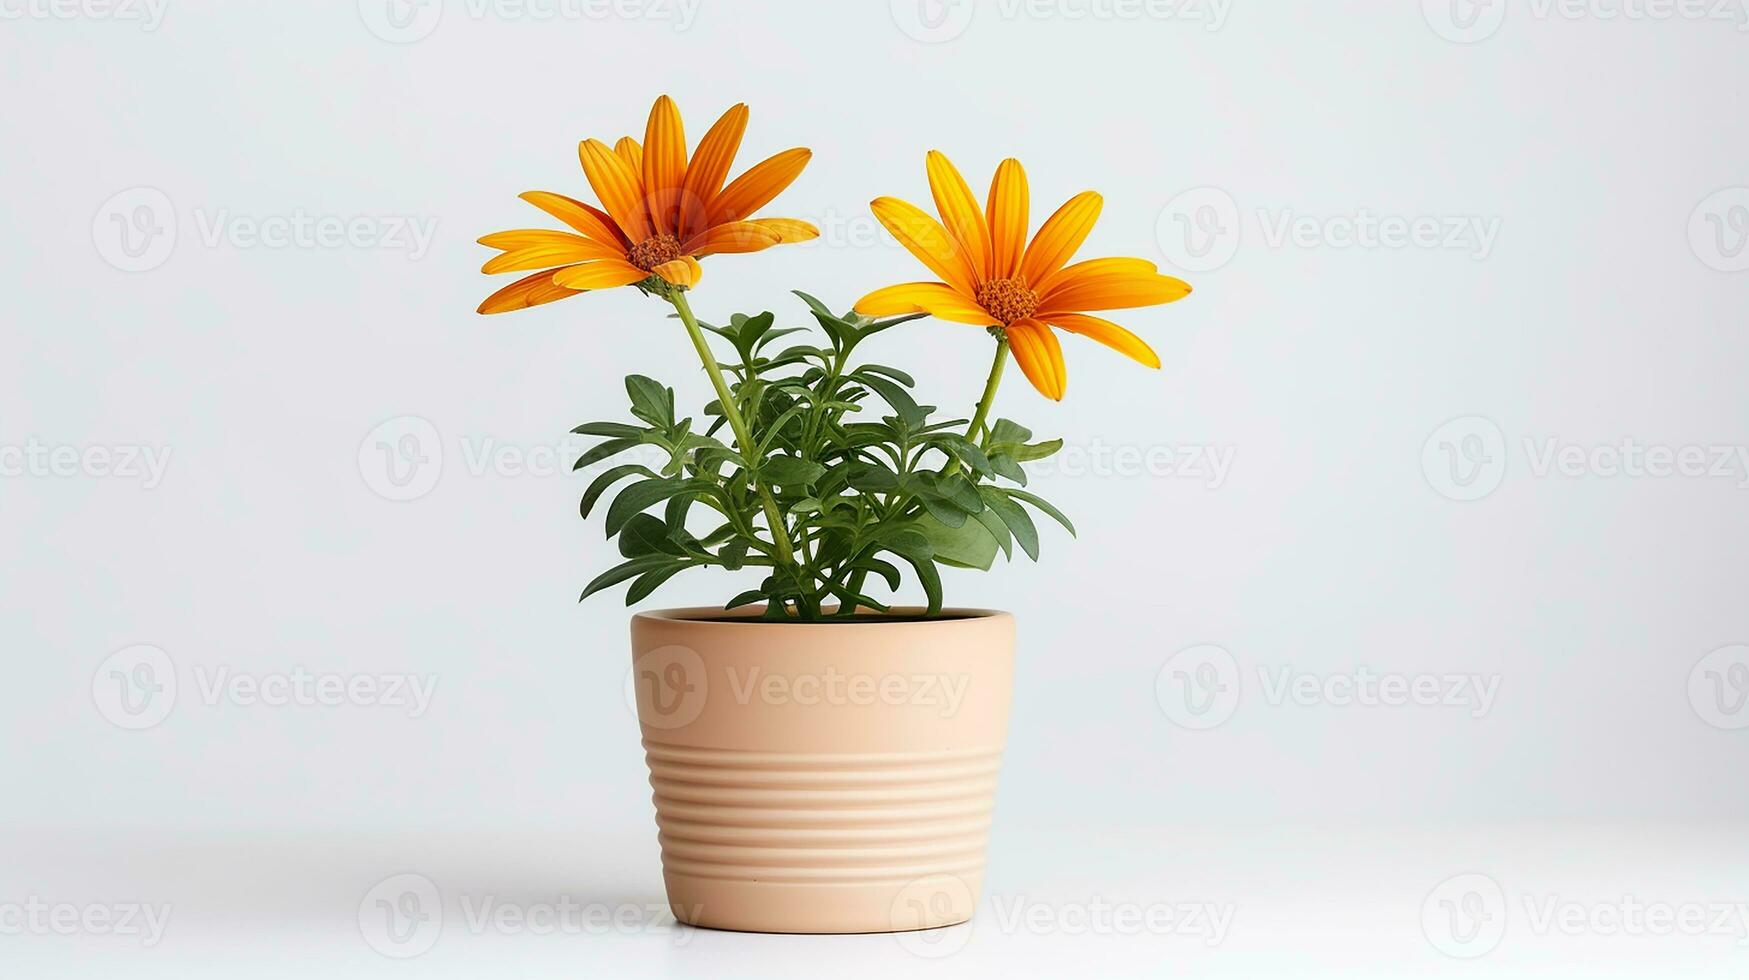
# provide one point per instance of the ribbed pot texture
(823, 777)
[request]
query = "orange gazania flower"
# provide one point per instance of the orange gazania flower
(991, 277)
(663, 213)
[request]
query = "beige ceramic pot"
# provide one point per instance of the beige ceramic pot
(823, 777)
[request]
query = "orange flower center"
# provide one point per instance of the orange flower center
(1007, 300)
(654, 251)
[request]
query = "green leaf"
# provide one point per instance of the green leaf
(788, 471)
(962, 449)
(891, 372)
(1005, 431)
(893, 394)
(616, 430)
(1003, 465)
(746, 598)
(611, 447)
(635, 498)
(955, 490)
(1045, 506)
(733, 554)
(870, 477)
(644, 534)
(998, 530)
(969, 545)
(908, 543)
(1015, 516)
(650, 401)
(775, 429)
(884, 569)
(1038, 450)
(619, 573)
(931, 580)
(651, 580)
(608, 479)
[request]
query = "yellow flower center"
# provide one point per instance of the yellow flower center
(654, 251)
(1007, 300)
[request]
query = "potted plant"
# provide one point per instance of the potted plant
(822, 761)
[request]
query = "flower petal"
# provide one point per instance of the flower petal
(664, 164)
(1007, 216)
(730, 238)
(938, 299)
(1095, 269)
(1060, 235)
(510, 241)
(684, 271)
(960, 213)
(550, 255)
(631, 152)
(755, 188)
(923, 237)
(592, 222)
(618, 186)
(709, 167)
(599, 275)
(789, 230)
(1040, 357)
(1114, 293)
(1109, 334)
(524, 293)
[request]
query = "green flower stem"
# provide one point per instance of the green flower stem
(743, 436)
(990, 387)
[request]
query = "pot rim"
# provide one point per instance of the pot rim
(751, 616)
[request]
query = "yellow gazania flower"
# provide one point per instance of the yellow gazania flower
(662, 214)
(991, 277)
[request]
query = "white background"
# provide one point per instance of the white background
(1593, 158)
